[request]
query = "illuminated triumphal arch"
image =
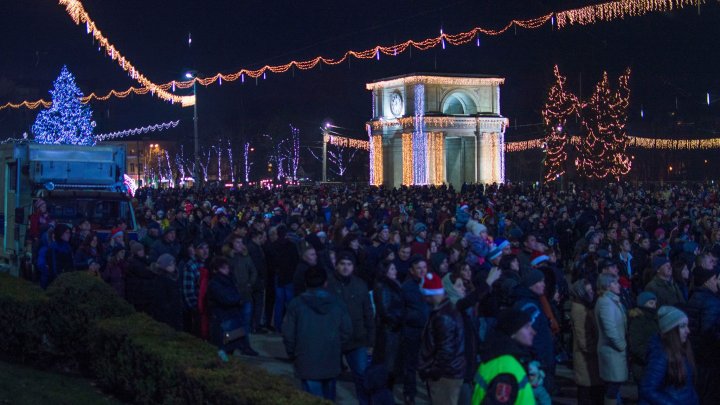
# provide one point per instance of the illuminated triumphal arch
(436, 128)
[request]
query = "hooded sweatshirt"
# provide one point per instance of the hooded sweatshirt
(316, 327)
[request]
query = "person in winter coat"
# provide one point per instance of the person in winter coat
(308, 259)
(166, 244)
(663, 285)
(351, 290)
(389, 308)
(244, 275)
(478, 246)
(315, 329)
(415, 316)
(90, 248)
(643, 326)
(257, 254)
(585, 334)
(612, 343)
(114, 272)
(166, 303)
(502, 376)
(283, 259)
(225, 304)
(528, 295)
(442, 360)
(56, 257)
(703, 310)
(139, 279)
(670, 372)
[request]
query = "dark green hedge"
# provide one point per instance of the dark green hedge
(22, 323)
(77, 300)
(131, 355)
(148, 362)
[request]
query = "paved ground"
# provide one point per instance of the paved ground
(273, 359)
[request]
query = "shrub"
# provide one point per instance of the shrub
(144, 361)
(77, 300)
(22, 323)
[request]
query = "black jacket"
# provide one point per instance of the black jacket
(442, 348)
(388, 307)
(139, 284)
(354, 293)
(316, 328)
(225, 305)
(257, 254)
(415, 310)
(167, 303)
(703, 311)
(283, 259)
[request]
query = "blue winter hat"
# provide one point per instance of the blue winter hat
(502, 243)
(494, 254)
(659, 261)
(419, 227)
(644, 297)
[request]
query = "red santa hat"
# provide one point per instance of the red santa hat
(432, 285)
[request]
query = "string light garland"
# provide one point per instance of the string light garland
(436, 147)
(615, 10)
(137, 131)
(376, 160)
(559, 106)
(633, 142)
(419, 139)
(602, 152)
(581, 16)
(78, 14)
(343, 142)
(407, 159)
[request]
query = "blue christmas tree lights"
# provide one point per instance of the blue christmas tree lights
(67, 121)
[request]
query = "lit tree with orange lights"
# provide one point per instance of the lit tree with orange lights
(560, 105)
(603, 150)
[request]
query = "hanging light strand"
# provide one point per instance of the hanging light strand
(137, 131)
(582, 16)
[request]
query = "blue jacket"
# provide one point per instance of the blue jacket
(653, 389)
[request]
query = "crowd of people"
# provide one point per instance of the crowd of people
(478, 292)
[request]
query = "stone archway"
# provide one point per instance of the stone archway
(459, 102)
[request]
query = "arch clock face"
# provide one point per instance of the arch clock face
(396, 104)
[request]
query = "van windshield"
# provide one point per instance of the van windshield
(102, 214)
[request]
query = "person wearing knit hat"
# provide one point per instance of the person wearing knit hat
(646, 299)
(532, 277)
(476, 228)
(501, 378)
(642, 326)
(670, 317)
(443, 333)
(670, 372)
(504, 245)
(136, 248)
(663, 285)
(494, 256)
(538, 258)
(166, 262)
(418, 228)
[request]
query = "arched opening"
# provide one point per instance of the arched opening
(459, 103)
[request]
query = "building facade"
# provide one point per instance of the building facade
(433, 129)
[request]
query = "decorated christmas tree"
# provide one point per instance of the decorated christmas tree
(602, 152)
(67, 121)
(560, 105)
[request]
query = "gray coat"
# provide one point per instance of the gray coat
(612, 342)
(244, 273)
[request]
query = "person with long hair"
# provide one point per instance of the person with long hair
(670, 373)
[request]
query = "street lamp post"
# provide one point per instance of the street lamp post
(196, 154)
(324, 161)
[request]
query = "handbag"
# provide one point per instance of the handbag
(233, 335)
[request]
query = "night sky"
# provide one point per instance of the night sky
(674, 56)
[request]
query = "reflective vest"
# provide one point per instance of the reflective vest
(505, 364)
